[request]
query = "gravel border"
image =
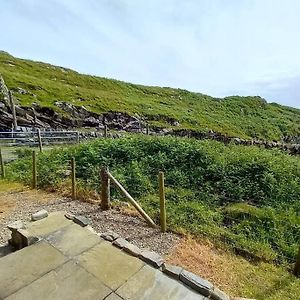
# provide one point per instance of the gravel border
(132, 228)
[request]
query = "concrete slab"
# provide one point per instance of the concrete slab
(69, 281)
(24, 266)
(149, 283)
(109, 264)
(73, 239)
(52, 223)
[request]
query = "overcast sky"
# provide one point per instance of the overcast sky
(217, 47)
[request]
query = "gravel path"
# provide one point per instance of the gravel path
(19, 205)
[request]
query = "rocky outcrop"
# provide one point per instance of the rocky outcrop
(69, 116)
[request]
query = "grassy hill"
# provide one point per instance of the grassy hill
(243, 117)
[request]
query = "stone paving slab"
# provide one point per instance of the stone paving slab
(113, 296)
(24, 266)
(109, 264)
(150, 283)
(72, 240)
(68, 261)
(52, 223)
(68, 282)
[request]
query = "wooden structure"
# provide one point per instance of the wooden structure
(106, 177)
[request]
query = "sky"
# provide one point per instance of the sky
(216, 47)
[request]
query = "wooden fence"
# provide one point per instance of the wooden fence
(106, 178)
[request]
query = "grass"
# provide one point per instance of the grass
(9, 186)
(234, 274)
(245, 117)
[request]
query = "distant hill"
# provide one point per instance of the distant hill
(49, 86)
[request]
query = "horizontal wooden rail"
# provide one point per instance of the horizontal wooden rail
(131, 200)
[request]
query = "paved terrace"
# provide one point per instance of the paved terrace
(60, 259)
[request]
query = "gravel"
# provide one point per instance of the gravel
(132, 228)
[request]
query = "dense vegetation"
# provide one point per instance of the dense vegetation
(243, 117)
(245, 196)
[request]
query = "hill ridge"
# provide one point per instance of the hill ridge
(44, 87)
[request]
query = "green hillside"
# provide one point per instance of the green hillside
(243, 117)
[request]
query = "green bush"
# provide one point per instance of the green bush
(247, 196)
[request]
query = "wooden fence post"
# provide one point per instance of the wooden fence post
(77, 137)
(147, 129)
(131, 200)
(105, 189)
(13, 110)
(105, 131)
(40, 139)
(2, 165)
(297, 265)
(163, 222)
(34, 172)
(73, 174)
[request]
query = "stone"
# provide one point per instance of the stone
(172, 271)
(73, 240)
(152, 258)
(22, 238)
(132, 249)
(52, 223)
(16, 225)
(109, 236)
(24, 266)
(82, 220)
(197, 283)
(69, 216)
(217, 294)
(68, 281)
(127, 247)
(39, 215)
(5, 249)
(150, 283)
(110, 265)
(120, 243)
